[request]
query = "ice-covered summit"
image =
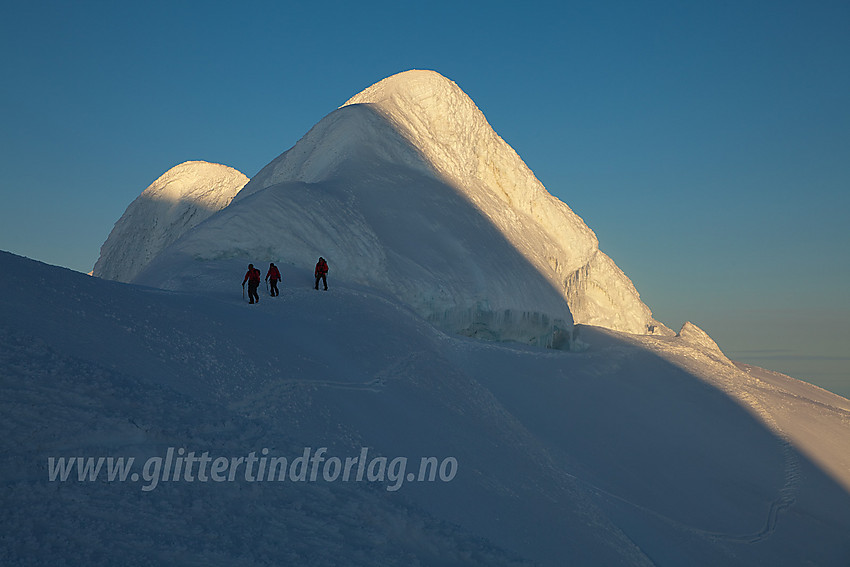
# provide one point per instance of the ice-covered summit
(454, 136)
(178, 200)
(408, 190)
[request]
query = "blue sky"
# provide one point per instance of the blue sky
(706, 143)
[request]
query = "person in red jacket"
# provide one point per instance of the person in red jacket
(322, 273)
(252, 276)
(273, 276)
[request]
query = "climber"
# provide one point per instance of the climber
(273, 276)
(322, 273)
(252, 276)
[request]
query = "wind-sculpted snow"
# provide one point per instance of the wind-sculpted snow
(600, 294)
(401, 232)
(640, 450)
(181, 198)
(439, 119)
(408, 190)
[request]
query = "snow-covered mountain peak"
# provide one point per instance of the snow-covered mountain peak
(416, 83)
(435, 116)
(438, 118)
(454, 137)
(177, 201)
(408, 190)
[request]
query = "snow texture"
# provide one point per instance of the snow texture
(181, 198)
(407, 189)
(640, 450)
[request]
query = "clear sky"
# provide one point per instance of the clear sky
(706, 143)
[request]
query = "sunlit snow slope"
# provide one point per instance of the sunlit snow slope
(407, 189)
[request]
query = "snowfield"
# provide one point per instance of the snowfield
(640, 450)
(481, 385)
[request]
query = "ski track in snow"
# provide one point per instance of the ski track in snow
(787, 494)
(735, 383)
(726, 381)
(783, 502)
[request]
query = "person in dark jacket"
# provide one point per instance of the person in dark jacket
(322, 273)
(252, 276)
(273, 276)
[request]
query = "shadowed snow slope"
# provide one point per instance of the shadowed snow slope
(181, 198)
(641, 450)
(407, 189)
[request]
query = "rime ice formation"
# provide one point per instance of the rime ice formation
(437, 117)
(407, 189)
(181, 198)
(699, 339)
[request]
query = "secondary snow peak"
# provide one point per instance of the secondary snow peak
(178, 200)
